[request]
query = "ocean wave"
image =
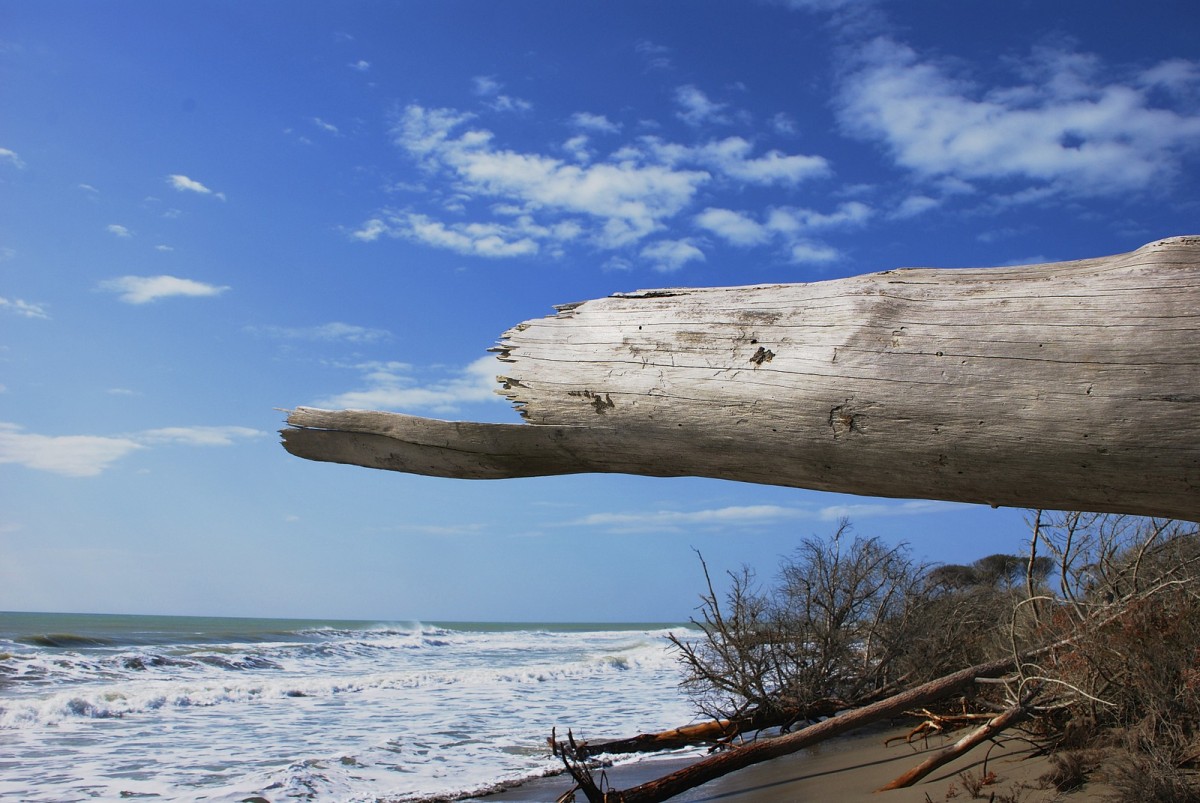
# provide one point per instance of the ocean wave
(63, 641)
(134, 696)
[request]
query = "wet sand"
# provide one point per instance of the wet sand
(847, 770)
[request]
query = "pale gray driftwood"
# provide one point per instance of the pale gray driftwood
(1070, 385)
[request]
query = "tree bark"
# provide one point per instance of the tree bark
(1071, 385)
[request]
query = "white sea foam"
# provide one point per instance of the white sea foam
(387, 712)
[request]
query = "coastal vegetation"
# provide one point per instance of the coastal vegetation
(1086, 647)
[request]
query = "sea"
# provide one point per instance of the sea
(100, 707)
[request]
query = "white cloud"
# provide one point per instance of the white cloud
(1063, 128)
(119, 230)
(696, 108)
(88, 188)
(791, 220)
(361, 65)
(11, 157)
(327, 127)
(749, 516)
(657, 56)
(144, 289)
(577, 146)
(791, 226)
(25, 309)
(732, 157)
(806, 253)
(90, 455)
(335, 331)
(391, 386)
(629, 200)
(736, 228)
(594, 122)
(370, 230)
(185, 184)
(675, 520)
(68, 455)
(671, 255)
(539, 202)
(507, 103)
(486, 85)
(915, 205)
(475, 239)
(197, 436)
(783, 124)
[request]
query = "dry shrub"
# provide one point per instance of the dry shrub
(1151, 778)
(1069, 770)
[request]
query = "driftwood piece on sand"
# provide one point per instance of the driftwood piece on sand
(1070, 385)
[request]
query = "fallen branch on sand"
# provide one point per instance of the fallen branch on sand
(981, 734)
(741, 756)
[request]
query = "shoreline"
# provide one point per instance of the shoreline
(848, 769)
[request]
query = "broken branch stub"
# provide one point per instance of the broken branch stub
(1070, 385)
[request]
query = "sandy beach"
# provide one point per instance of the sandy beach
(848, 770)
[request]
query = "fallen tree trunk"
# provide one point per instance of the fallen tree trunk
(1071, 385)
(743, 756)
(687, 736)
(712, 732)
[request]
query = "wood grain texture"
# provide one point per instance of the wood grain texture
(1071, 385)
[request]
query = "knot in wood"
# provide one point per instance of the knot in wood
(762, 355)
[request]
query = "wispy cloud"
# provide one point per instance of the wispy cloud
(668, 256)
(335, 331)
(656, 56)
(119, 230)
(1062, 127)
(792, 227)
(68, 455)
(197, 436)
(751, 516)
(327, 127)
(488, 87)
(628, 200)
(25, 309)
(184, 184)
(541, 202)
(393, 386)
(11, 157)
(144, 289)
(733, 157)
(90, 455)
(520, 236)
(695, 107)
(362, 65)
(597, 123)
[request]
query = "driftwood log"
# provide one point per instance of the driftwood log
(1069, 385)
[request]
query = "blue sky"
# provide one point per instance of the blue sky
(210, 211)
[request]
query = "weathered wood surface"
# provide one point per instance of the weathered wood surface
(1070, 385)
